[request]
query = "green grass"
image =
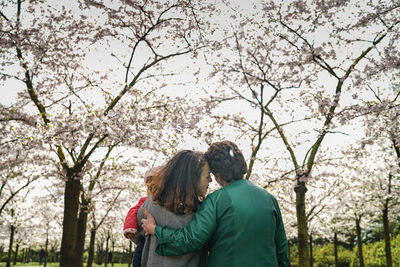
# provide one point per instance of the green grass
(36, 264)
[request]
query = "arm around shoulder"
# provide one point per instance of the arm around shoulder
(173, 242)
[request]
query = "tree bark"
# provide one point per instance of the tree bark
(46, 252)
(359, 243)
(100, 253)
(335, 241)
(23, 255)
(130, 254)
(80, 234)
(53, 255)
(16, 254)
(91, 247)
(106, 259)
(71, 206)
(112, 253)
(12, 228)
(27, 254)
(386, 233)
(302, 228)
(311, 254)
(385, 215)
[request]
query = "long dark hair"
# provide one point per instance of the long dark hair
(176, 185)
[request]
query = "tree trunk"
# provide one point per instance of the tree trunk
(112, 253)
(335, 242)
(27, 254)
(80, 234)
(71, 206)
(302, 228)
(130, 254)
(23, 255)
(100, 253)
(25, 258)
(387, 237)
(359, 243)
(106, 259)
(12, 228)
(46, 253)
(311, 254)
(91, 247)
(16, 254)
(51, 255)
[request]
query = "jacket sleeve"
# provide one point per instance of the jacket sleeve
(130, 223)
(139, 236)
(280, 239)
(173, 242)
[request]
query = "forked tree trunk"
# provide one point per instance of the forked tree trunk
(359, 242)
(71, 205)
(302, 228)
(335, 242)
(386, 233)
(91, 247)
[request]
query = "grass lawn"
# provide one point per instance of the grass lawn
(36, 264)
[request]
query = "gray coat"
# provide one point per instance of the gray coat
(166, 218)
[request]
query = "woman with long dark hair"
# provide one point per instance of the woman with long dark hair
(241, 222)
(177, 191)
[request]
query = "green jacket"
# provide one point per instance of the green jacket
(242, 224)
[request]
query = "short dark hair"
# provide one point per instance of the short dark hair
(176, 185)
(226, 160)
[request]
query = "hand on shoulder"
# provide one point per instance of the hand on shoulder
(148, 224)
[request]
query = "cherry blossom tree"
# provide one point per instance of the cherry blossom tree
(383, 138)
(363, 172)
(332, 222)
(46, 210)
(48, 50)
(302, 60)
(15, 181)
(320, 202)
(23, 159)
(109, 199)
(16, 218)
(357, 207)
(379, 115)
(386, 200)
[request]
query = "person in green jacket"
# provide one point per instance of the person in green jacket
(241, 223)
